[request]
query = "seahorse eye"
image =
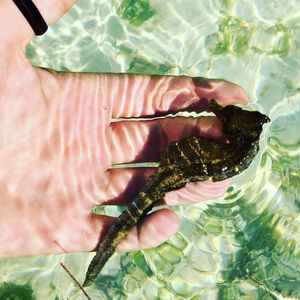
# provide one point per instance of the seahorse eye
(264, 119)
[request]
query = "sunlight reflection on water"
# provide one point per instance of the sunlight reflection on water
(244, 245)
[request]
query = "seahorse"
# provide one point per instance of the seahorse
(190, 159)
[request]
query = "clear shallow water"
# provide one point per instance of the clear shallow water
(244, 245)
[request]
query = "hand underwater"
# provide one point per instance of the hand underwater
(57, 143)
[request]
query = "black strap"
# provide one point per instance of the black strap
(32, 15)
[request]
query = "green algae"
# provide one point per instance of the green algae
(277, 40)
(11, 291)
(140, 261)
(140, 65)
(230, 291)
(263, 256)
(282, 42)
(136, 12)
(143, 66)
(233, 37)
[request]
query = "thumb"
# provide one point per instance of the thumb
(14, 26)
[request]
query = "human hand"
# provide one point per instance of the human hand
(57, 144)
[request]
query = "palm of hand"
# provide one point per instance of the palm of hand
(57, 143)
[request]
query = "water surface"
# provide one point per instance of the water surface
(244, 245)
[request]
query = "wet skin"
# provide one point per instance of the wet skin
(190, 159)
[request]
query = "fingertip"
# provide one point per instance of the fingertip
(154, 230)
(164, 222)
(95, 230)
(198, 191)
(224, 92)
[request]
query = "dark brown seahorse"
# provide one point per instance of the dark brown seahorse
(190, 159)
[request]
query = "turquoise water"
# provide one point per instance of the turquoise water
(244, 245)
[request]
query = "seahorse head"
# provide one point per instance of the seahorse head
(236, 121)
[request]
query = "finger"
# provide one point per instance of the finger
(224, 92)
(95, 99)
(152, 231)
(106, 96)
(145, 142)
(123, 185)
(136, 95)
(197, 191)
(120, 186)
(16, 29)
